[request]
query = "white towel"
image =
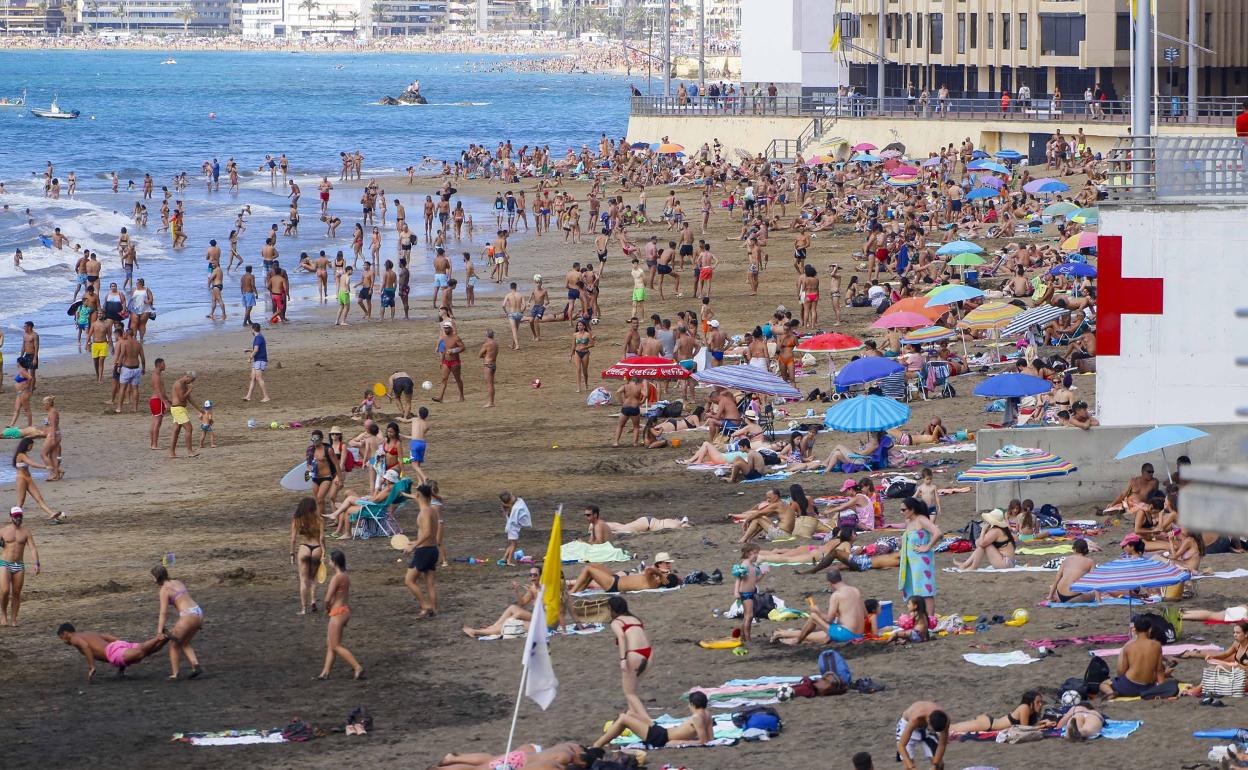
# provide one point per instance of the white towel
(999, 659)
(1235, 573)
(991, 570)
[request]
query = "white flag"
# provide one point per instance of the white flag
(541, 684)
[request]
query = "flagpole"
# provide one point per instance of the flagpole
(515, 714)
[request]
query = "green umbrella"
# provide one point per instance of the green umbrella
(1089, 216)
(967, 259)
(1060, 209)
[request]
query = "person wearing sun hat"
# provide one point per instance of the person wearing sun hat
(995, 544)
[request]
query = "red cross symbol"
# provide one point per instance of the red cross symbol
(1118, 296)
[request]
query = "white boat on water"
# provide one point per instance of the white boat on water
(18, 103)
(170, 60)
(54, 112)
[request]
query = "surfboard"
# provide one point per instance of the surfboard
(46, 241)
(73, 308)
(295, 480)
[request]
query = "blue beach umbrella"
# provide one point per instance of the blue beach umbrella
(979, 155)
(747, 378)
(982, 193)
(1010, 155)
(867, 369)
(1077, 269)
(864, 157)
(1013, 385)
(866, 414)
(960, 247)
(954, 292)
(641, 145)
(1043, 186)
(1157, 440)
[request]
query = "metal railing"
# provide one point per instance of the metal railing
(1209, 110)
(1153, 168)
(789, 149)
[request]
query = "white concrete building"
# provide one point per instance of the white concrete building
(786, 42)
(264, 19)
(310, 18)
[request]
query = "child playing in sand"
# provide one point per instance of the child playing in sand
(366, 408)
(205, 427)
(928, 492)
(747, 575)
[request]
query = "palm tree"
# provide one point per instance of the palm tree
(333, 18)
(354, 16)
(309, 6)
(122, 11)
(186, 14)
(42, 8)
(379, 16)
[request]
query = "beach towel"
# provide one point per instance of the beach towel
(1223, 734)
(777, 476)
(1075, 641)
(968, 446)
(1170, 649)
(1114, 730)
(579, 550)
(990, 570)
(999, 659)
(231, 737)
(1235, 573)
(592, 628)
(1112, 600)
(1119, 729)
(1045, 550)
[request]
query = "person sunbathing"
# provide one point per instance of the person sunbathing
(95, 646)
(696, 730)
(595, 576)
(994, 546)
(1236, 614)
(934, 433)
(709, 454)
(676, 424)
(757, 521)
(529, 756)
(846, 460)
(1027, 713)
(1134, 498)
(518, 610)
(1081, 722)
(647, 524)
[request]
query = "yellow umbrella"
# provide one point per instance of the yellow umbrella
(990, 315)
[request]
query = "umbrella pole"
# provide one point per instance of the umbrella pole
(1166, 463)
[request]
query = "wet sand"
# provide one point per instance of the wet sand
(430, 689)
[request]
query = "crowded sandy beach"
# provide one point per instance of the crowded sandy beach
(750, 389)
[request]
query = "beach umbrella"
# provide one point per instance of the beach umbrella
(1089, 216)
(992, 181)
(1013, 463)
(1077, 269)
(867, 369)
(898, 146)
(891, 154)
(989, 315)
(1009, 155)
(647, 368)
(931, 163)
(988, 165)
(833, 342)
(978, 155)
(928, 335)
(669, 148)
(1012, 385)
(951, 293)
(958, 247)
(1059, 209)
(1036, 316)
(914, 305)
(1045, 186)
(1084, 240)
(982, 193)
(748, 379)
(1128, 574)
(866, 414)
(905, 171)
(967, 259)
(819, 160)
(1157, 440)
(903, 319)
(640, 145)
(901, 181)
(863, 157)
(863, 147)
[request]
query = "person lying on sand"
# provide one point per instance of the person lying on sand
(696, 730)
(518, 610)
(96, 646)
(647, 524)
(1027, 713)
(658, 575)
(1081, 722)
(1236, 614)
(857, 558)
(529, 756)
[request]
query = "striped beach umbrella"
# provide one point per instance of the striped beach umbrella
(1059, 209)
(989, 315)
(865, 414)
(832, 342)
(889, 154)
(1010, 155)
(932, 162)
(1127, 574)
(863, 147)
(901, 181)
(1036, 316)
(748, 379)
(959, 247)
(1045, 186)
(1084, 240)
(1015, 464)
(901, 320)
(928, 335)
(915, 305)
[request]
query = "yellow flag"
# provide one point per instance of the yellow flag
(835, 44)
(552, 572)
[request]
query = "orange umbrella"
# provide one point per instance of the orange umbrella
(916, 305)
(670, 149)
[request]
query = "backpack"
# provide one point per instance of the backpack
(900, 489)
(831, 662)
(1162, 630)
(674, 409)
(759, 718)
(298, 731)
(764, 603)
(972, 531)
(1096, 672)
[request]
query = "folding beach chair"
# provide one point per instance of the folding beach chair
(934, 378)
(377, 519)
(894, 386)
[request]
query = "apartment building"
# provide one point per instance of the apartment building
(196, 16)
(30, 16)
(408, 17)
(983, 47)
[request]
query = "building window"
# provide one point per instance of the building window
(918, 30)
(974, 31)
(909, 28)
(1022, 32)
(937, 33)
(991, 30)
(1208, 30)
(961, 33)
(1005, 32)
(1122, 32)
(1061, 34)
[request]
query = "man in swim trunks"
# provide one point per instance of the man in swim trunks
(489, 363)
(696, 730)
(14, 539)
(247, 286)
(401, 387)
(1140, 666)
(424, 552)
(631, 395)
(95, 646)
(846, 617)
(441, 275)
(158, 403)
(101, 338)
(716, 342)
(452, 346)
(924, 727)
(181, 418)
(513, 308)
(1073, 568)
(538, 300)
(419, 442)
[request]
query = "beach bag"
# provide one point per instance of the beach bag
(972, 531)
(900, 489)
(804, 527)
(764, 603)
(298, 731)
(759, 718)
(1096, 672)
(598, 397)
(1222, 681)
(832, 662)
(674, 409)
(591, 610)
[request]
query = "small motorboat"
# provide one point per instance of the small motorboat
(170, 60)
(54, 112)
(18, 103)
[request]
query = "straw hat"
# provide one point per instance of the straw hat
(662, 556)
(335, 429)
(995, 518)
(751, 414)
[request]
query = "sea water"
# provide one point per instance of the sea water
(139, 115)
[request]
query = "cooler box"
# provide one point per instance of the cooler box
(885, 618)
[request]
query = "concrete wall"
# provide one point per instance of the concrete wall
(754, 132)
(1179, 366)
(1100, 477)
(786, 42)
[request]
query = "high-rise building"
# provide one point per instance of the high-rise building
(408, 17)
(316, 18)
(260, 18)
(195, 16)
(26, 16)
(984, 47)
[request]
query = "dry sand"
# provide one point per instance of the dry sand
(430, 689)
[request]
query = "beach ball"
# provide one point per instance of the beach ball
(537, 382)
(273, 425)
(426, 385)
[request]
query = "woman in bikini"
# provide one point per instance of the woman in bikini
(634, 649)
(22, 463)
(995, 544)
(517, 610)
(934, 433)
(307, 550)
(339, 612)
(1027, 713)
(173, 593)
(676, 424)
(582, 341)
(322, 470)
(389, 451)
(595, 576)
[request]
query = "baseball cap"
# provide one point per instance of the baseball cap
(207, 404)
(448, 325)
(1129, 539)
(662, 556)
(17, 512)
(713, 324)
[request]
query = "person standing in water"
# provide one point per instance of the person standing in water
(337, 596)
